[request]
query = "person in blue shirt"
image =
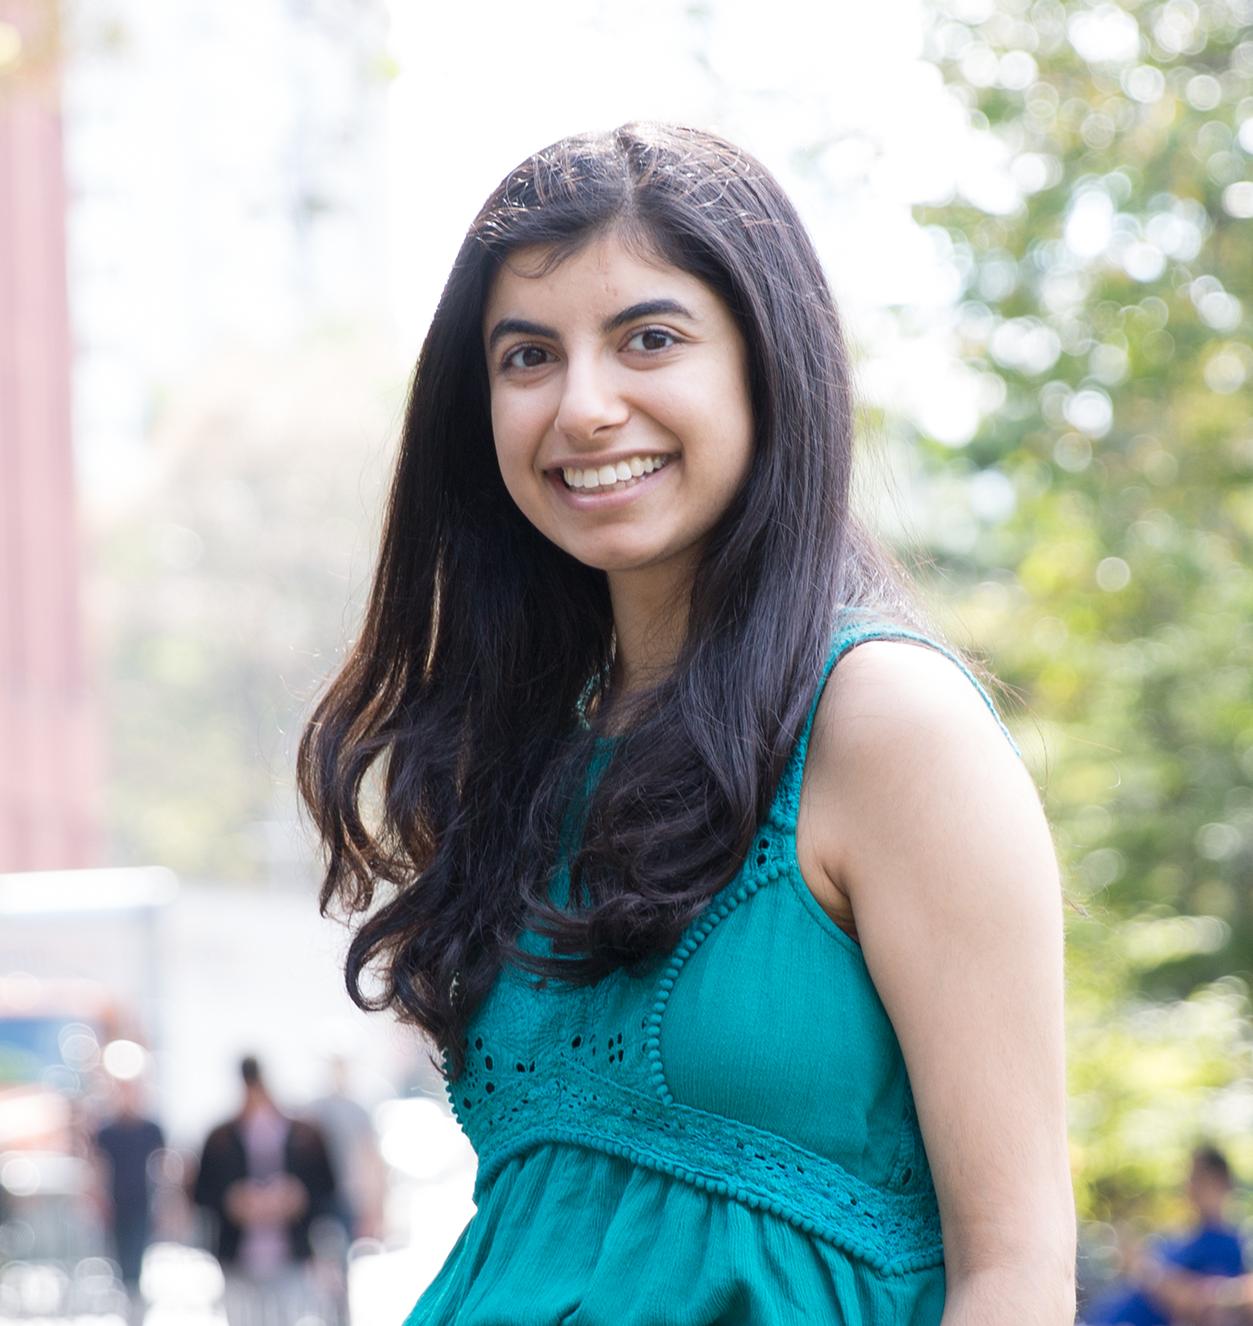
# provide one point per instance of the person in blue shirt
(1177, 1274)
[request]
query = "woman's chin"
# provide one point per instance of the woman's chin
(619, 558)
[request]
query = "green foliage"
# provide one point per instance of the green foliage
(1107, 278)
(1149, 1078)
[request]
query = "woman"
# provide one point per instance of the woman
(748, 987)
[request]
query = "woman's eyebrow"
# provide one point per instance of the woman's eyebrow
(648, 308)
(520, 327)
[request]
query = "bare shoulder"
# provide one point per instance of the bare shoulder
(905, 748)
(881, 686)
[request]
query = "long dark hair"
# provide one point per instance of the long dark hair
(473, 686)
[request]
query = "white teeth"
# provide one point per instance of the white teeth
(605, 476)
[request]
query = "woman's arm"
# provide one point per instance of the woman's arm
(932, 826)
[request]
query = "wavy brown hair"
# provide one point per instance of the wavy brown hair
(483, 643)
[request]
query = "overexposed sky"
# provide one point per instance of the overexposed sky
(481, 87)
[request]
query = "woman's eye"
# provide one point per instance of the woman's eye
(525, 356)
(652, 339)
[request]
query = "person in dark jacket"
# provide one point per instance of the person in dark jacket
(265, 1178)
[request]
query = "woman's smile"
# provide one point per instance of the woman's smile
(595, 487)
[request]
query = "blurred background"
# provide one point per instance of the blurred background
(223, 228)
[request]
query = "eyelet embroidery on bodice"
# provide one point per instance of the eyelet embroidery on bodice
(895, 1232)
(484, 1070)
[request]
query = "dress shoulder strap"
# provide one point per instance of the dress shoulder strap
(856, 625)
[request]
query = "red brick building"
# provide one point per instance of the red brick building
(48, 757)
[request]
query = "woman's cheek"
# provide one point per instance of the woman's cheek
(518, 432)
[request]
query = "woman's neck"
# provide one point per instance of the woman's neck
(649, 622)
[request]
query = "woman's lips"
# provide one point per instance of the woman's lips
(613, 495)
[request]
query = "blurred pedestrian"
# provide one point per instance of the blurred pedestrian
(1174, 1279)
(355, 1157)
(265, 1178)
(125, 1147)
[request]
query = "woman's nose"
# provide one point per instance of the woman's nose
(591, 400)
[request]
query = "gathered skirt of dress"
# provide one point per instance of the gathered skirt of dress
(567, 1235)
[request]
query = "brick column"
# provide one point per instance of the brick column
(48, 756)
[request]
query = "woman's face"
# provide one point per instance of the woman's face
(620, 404)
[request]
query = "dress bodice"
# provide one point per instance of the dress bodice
(754, 1065)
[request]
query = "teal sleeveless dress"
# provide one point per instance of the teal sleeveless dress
(727, 1137)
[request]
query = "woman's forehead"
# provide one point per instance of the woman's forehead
(605, 268)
